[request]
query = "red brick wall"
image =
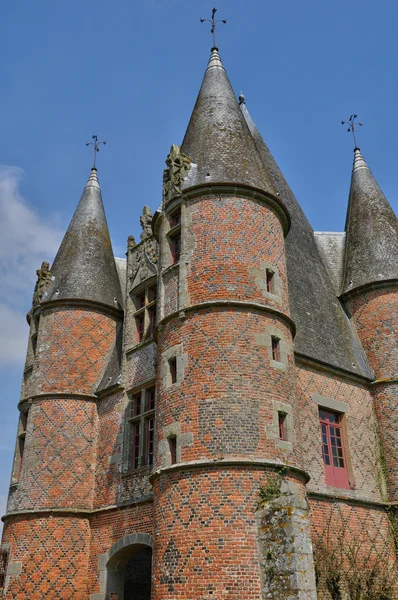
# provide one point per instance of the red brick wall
(53, 551)
(360, 426)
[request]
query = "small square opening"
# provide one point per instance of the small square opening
(275, 343)
(282, 425)
(173, 448)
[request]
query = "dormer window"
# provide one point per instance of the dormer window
(145, 313)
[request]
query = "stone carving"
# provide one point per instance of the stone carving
(143, 261)
(131, 243)
(146, 223)
(178, 166)
(42, 283)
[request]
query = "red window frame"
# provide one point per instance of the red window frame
(152, 293)
(270, 281)
(275, 349)
(150, 440)
(282, 425)
(136, 444)
(150, 398)
(175, 246)
(175, 218)
(333, 450)
(140, 301)
(140, 322)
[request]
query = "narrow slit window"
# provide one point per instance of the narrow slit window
(270, 281)
(275, 342)
(173, 449)
(282, 425)
(173, 369)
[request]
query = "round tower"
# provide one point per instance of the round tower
(370, 293)
(226, 410)
(76, 308)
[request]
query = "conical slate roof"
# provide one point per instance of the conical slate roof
(371, 231)
(218, 141)
(324, 332)
(85, 266)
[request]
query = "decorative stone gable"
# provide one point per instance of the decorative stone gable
(178, 166)
(143, 257)
(43, 281)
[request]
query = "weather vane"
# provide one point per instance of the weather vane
(96, 144)
(213, 24)
(351, 127)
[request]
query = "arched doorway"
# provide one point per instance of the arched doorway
(128, 569)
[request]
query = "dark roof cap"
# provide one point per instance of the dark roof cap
(85, 266)
(218, 141)
(371, 231)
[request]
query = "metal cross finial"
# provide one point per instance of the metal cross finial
(351, 127)
(96, 144)
(213, 25)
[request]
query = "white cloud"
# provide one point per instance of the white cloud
(26, 239)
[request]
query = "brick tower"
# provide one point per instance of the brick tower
(370, 293)
(225, 358)
(73, 326)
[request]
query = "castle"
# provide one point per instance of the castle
(216, 416)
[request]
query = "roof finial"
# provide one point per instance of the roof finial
(242, 99)
(96, 144)
(351, 127)
(213, 25)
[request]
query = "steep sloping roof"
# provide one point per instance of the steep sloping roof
(371, 231)
(331, 246)
(323, 330)
(85, 266)
(218, 140)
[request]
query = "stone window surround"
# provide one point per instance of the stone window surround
(273, 430)
(182, 439)
(260, 275)
(176, 352)
(284, 348)
(341, 408)
(20, 445)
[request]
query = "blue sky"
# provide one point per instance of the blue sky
(130, 72)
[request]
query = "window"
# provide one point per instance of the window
(175, 236)
(173, 369)
(333, 451)
(23, 421)
(142, 422)
(282, 425)
(270, 281)
(173, 449)
(275, 349)
(145, 313)
(3, 570)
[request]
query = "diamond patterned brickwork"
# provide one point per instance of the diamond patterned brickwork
(360, 426)
(111, 526)
(349, 537)
(53, 552)
(386, 402)
(73, 348)
(59, 458)
(230, 243)
(115, 482)
(206, 535)
(227, 364)
(375, 314)
(140, 365)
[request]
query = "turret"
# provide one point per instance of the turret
(227, 412)
(76, 310)
(371, 296)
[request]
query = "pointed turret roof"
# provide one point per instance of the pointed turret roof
(371, 231)
(323, 331)
(218, 141)
(85, 267)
